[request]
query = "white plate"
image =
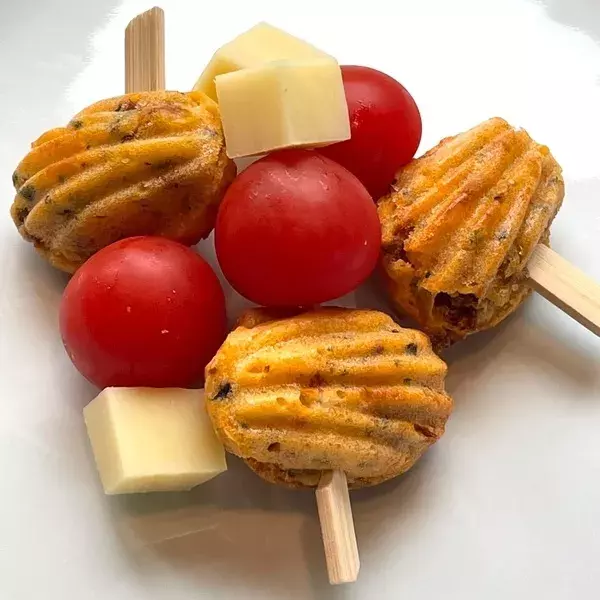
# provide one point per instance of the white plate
(505, 506)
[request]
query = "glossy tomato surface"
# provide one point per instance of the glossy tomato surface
(295, 229)
(144, 311)
(385, 125)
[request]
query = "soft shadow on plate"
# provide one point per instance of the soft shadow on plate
(581, 14)
(534, 337)
(235, 523)
(38, 285)
(239, 524)
(371, 295)
(37, 293)
(236, 304)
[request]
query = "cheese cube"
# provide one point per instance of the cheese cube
(150, 440)
(283, 105)
(254, 48)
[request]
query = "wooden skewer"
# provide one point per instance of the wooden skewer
(144, 71)
(337, 528)
(145, 52)
(565, 286)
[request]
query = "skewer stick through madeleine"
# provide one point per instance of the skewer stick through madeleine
(144, 71)
(465, 233)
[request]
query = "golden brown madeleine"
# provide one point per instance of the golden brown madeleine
(149, 163)
(327, 389)
(460, 225)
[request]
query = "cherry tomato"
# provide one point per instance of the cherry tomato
(296, 229)
(145, 311)
(385, 124)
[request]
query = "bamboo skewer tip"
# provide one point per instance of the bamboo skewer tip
(145, 52)
(337, 528)
(565, 286)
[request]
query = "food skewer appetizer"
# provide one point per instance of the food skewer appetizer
(325, 398)
(465, 232)
(150, 162)
(141, 319)
(145, 68)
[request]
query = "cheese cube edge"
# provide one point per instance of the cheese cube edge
(284, 104)
(146, 440)
(258, 45)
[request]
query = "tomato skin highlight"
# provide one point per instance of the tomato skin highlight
(385, 125)
(296, 229)
(144, 311)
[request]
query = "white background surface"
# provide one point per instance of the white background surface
(507, 505)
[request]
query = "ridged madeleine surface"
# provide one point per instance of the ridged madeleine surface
(150, 163)
(460, 225)
(327, 389)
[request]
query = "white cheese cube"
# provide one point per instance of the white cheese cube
(283, 105)
(149, 440)
(253, 48)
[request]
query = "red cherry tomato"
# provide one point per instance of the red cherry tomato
(144, 311)
(296, 229)
(385, 124)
